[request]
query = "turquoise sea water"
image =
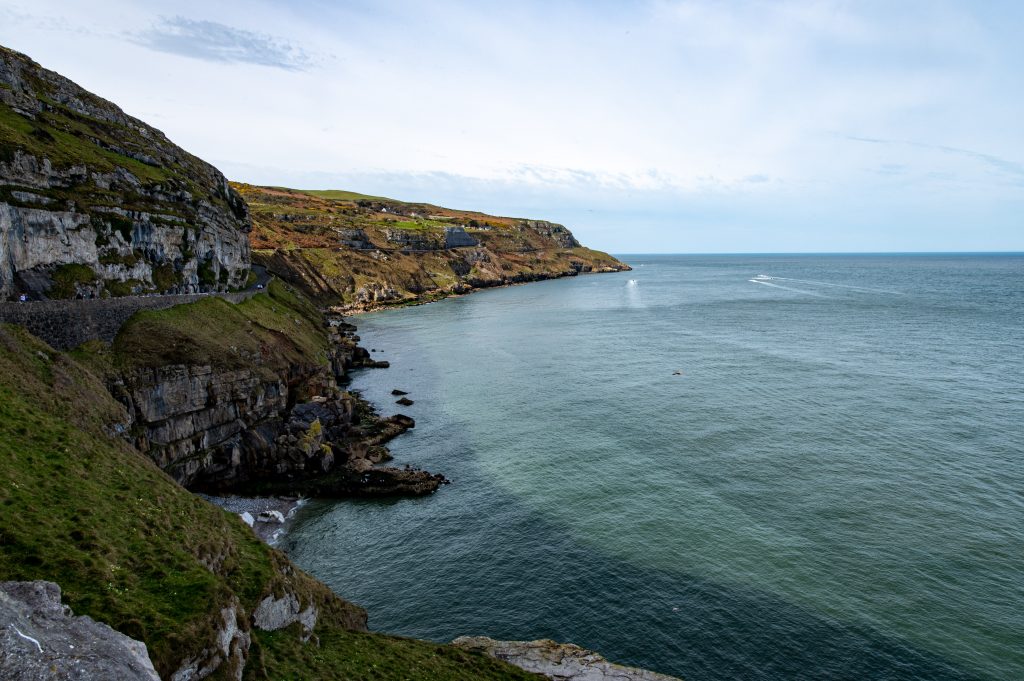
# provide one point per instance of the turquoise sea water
(832, 487)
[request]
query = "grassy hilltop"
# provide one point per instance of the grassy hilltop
(362, 251)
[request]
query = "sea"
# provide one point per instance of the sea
(712, 466)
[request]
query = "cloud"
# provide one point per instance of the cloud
(1004, 165)
(212, 41)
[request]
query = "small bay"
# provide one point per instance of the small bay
(721, 467)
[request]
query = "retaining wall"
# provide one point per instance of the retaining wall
(66, 324)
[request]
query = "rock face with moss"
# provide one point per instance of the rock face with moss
(362, 252)
(94, 202)
(249, 397)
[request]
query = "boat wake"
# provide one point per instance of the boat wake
(758, 280)
(762, 278)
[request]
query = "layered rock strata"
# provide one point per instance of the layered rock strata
(287, 429)
(94, 202)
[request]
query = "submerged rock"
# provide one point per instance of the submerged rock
(405, 402)
(42, 639)
(557, 661)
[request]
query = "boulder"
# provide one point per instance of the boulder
(42, 639)
(270, 517)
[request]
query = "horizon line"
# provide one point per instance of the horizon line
(822, 253)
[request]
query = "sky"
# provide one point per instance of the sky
(673, 126)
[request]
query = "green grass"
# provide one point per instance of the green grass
(412, 225)
(270, 330)
(357, 656)
(125, 543)
(66, 277)
(66, 142)
(131, 548)
(341, 195)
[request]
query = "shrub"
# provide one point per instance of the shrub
(66, 279)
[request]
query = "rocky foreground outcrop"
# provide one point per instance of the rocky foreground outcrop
(95, 202)
(41, 639)
(557, 661)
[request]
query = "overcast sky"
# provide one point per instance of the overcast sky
(669, 126)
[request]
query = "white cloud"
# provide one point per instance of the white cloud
(741, 108)
(218, 42)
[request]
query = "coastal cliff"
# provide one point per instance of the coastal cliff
(250, 397)
(101, 446)
(358, 252)
(96, 203)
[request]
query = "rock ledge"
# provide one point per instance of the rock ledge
(557, 661)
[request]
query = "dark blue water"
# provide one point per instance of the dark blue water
(831, 487)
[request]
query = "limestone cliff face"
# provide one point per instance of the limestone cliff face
(94, 202)
(215, 428)
(249, 397)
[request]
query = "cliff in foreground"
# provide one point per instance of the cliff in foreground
(362, 252)
(131, 548)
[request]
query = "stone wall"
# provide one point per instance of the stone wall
(66, 324)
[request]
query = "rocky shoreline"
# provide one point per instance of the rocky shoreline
(269, 517)
(465, 289)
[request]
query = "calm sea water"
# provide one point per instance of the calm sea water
(831, 487)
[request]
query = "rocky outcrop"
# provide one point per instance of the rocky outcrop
(355, 238)
(414, 240)
(557, 661)
(250, 421)
(229, 651)
(42, 639)
(94, 202)
(555, 232)
(277, 613)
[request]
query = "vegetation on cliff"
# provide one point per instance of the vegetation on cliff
(361, 251)
(130, 547)
(82, 183)
(269, 332)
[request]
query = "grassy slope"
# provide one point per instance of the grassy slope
(131, 548)
(297, 233)
(275, 329)
(69, 137)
